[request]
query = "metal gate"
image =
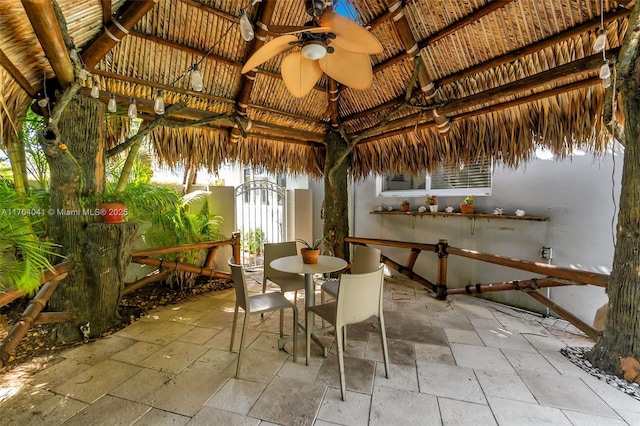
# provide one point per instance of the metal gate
(261, 212)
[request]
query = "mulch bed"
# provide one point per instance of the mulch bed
(40, 339)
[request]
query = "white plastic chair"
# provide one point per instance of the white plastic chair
(359, 298)
(285, 280)
(257, 304)
(365, 259)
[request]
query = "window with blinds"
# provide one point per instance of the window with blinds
(462, 180)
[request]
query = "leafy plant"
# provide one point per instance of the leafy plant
(23, 253)
(470, 199)
(405, 202)
(432, 200)
(314, 246)
(254, 239)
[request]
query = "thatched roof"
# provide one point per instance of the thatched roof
(511, 75)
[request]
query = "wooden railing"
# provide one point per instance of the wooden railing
(164, 267)
(555, 275)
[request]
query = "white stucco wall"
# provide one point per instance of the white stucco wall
(576, 195)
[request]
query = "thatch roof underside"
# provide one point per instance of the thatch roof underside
(512, 75)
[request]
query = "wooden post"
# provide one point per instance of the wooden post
(236, 247)
(441, 283)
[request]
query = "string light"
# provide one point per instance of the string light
(196, 78)
(112, 106)
(132, 112)
(606, 82)
(158, 104)
(605, 72)
(246, 29)
(95, 89)
(601, 40)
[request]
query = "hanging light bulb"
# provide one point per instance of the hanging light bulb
(111, 106)
(605, 72)
(158, 105)
(606, 82)
(601, 41)
(196, 78)
(95, 89)
(246, 29)
(133, 109)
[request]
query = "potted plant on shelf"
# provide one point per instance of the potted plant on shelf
(432, 200)
(112, 207)
(310, 252)
(405, 205)
(469, 205)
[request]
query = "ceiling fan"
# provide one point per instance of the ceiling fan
(330, 43)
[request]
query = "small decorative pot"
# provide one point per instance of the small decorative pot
(405, 208)
(309, 256)
(433, 208)
(113, 212)
(467, 208)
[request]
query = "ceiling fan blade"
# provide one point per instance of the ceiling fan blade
(292, 29)
(299, 73)
(348, 68)
(268, 51)
(349, 35)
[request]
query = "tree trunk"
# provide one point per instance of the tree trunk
(621, 336)
(336, 205)
(75, 152)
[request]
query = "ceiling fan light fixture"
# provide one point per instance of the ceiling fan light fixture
(314, 50)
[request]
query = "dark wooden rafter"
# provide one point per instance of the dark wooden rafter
(106, 11)
(220, 13)
(264, 15)
(17, 75)
(47, 29)
(593, 81)
(469, 19)
(114, 32)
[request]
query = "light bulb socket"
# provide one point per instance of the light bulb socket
(112, 106)
(42, 103)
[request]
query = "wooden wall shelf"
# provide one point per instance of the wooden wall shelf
(469, 216)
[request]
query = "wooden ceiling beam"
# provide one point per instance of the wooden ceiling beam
(47, 29)
(220, 13)
(592, 81)
(17, 75)
(128, 16)
(576, 69)
(174, 89)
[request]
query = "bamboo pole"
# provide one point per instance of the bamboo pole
(186, 267)
(533, 283)
(154, 276)
(211, 255)
(392, 243)
(408, 272)
(593, 278)
(235, 237)
(563, 313)
(47, 29)
(185, 247)
(20, 328)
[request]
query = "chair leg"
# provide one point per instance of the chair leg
(385, 351)
(233, 327)
(322, 299)
(245, 325)
(295, 334)
(282, 323)
(308, 335)
(343, 384)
